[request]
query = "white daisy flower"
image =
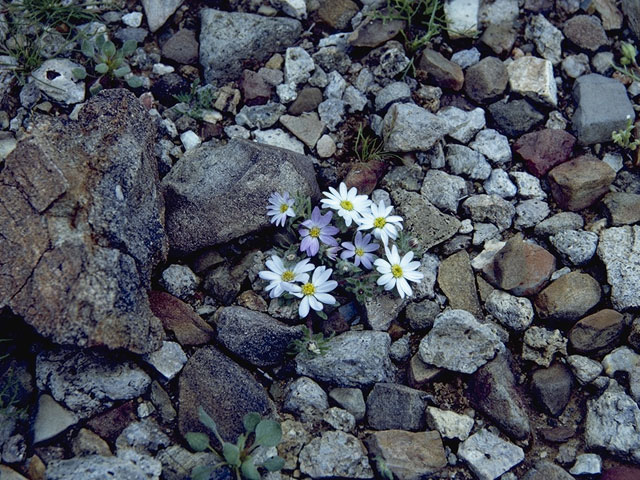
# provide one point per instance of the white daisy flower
(349, 204)
(384, 225)
(280, 208)
(314, 292)
(282, 278)
(395, 272)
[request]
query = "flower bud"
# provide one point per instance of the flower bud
(629, 51)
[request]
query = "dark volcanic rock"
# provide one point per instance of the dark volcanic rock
(82, 227)
(392, 406)
(515, 117)
(180, 319)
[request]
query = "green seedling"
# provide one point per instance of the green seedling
(368, 148)
(310, 345)
(110, 63)
(623, 137)
(239, 456)
(628, 63)
(197, 100)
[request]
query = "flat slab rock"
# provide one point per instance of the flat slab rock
(212, 184)
(335, 454)
(82, 226)
(619, 250)
(488, 456)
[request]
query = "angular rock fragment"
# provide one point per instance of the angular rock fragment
(619, 250)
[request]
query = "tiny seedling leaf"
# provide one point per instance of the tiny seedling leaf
(95, 88)
(231, 454)
(250, 421)
(206, 420)
(79, 73)
(100, 40)
(249, 470)
(134, 82)
(198, 441)
(129, 47)
(108, 49)
(274, 464)
(87, 49)
(102, 68)
(122, 71)
(268, 433)
(202, 472)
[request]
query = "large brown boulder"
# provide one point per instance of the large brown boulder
(82, 226)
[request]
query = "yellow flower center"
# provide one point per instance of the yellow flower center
(284, 207)
(379, 222)
(287, 276)
(396, 271)
(346, 204)
(314, 232)
(359, 252)
(308, 289)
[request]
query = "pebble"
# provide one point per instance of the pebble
(307, 100)
(575, 66)
(158, 12)
(622, 208)
(541, 345)
(533, 77)
(168, 360)
(332, 113)
(260, 116)
(396, 92)
(587, 464)
(337, 13)
(514, 313)
(492, 145)
(129, 465)
(462, 18)
(486, 80)
(339, 419)
(181, 47)
(350, 399)
(559, 223)
(489, 208)
(335, 454)
(307, 127)
(457, 282)
(488, 456)
(355, 100)
(586, 32)
(278, 138)
(408, 127)
(584, 369)
(528, 186)
(499, 184)
(51, 419)
(544, 149)
(298, 65)
(305, 398)
(56, 80)
(444, 73)
(546, 37)
(529, 213)
(449, 424)
(602, 62)
(325, 146)
(618, 251)
(465, 161)
(466, 58)
(623, 359)
(576, 247)
(551, 388)
(443, 190)
(392, 406)
(179, 281)
(568, 298)
(462, 126)
(293, 8)
(133, 19)
(515, 117)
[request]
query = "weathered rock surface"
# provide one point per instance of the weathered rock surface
(82, 227)
(598, 332)
(619, 250)
(393, 406)
(568, 298)
(543, 150)
(488, 456)
(157, 12)
(180, 319)
(96, 467)
(408, 127)
(551, 388)
(335, 454)
(212, 184)
(581, 182)
(457, 282)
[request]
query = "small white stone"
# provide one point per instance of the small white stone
(162, 69)
(287, 92)
(587, 464)
(168, 361)
(278, 138)
(51, 419)
(190, 140)
(462, 18)
(533, 78)
(133, 19)
(449, 424)
(466, 226)
(293, 8)
(325, 146)
(614, 161)
(211, 116)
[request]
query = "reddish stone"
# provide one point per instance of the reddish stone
(520, 267)
(112, 422)
(179, 318)
(365, 176)
(543, 150)
(581, 182)
(255, 90)
(621, 473)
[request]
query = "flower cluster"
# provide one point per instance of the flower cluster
(351, 238)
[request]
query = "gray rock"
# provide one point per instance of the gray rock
(400, 349)
(483, 232)
(96, 467)
(544, 470)
(622, 208)
(618, 250)
(515, 117)
(558, 223)
(51, 419)
(145, 437)
(515, 313)
(585, 31)
(335, 454)
(464, 161)
(499, 184)
(530, 213)
(177, 462)
(82, 226)
(584, 369)
(179, 281)
(575, 66)
(87, 382)
(168, 360)
(493, 391)
(211, 184)
(486, 81)
(298, 65)
(212, 381)
(547, 38)
(632, 10)
(396, 92)
(391, 61)
(354, 99)
(551, 388)
(353, 359)
(528, 185)
(276, 137)
(466, 58)
(462, 126)
(408, 127)
(253, 336)
(576, 247)
(260, 116)
(404, 177)
(443, 190)
(613, 424)
(14, 449)
(533, 78)
(339, 419)
(331, 112)
(458, 342)
(587, 464)
(383, 309)
(305, 398)
(392, 406)
(488, 456)
(492, 145)
(351, 399)
(158, 11)
(449, 424)
(462, 18)
(623, 359)
(602, 62)
(490, 208)
(541, 345)
(603, 106)
(55, 79)
(229, 38)
(457, 282)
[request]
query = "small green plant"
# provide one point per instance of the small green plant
(383, 468)
(623, 137)
(239, 456)
(110, 63)
(311, 344)
(628, 64)
(369, 148)
(197, 99)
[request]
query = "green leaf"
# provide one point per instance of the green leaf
(198, 441)
(202, 472)
(122, 71)
(134, 82)
(249, 470)
(79, 72)
(100, 41)
(129, 47)
(274, 464)
(108, 49)
(231, 454)
(206, 420)
(87, 49)
(116, 62)
(102, 68)
(95, 88)
(250, 420)
(268, 433)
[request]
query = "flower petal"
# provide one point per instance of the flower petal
(303, 309)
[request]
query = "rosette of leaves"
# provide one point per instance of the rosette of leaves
(110, 64)
(238, 457)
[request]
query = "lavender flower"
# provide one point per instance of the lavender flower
(317, 230)
(361, 250)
